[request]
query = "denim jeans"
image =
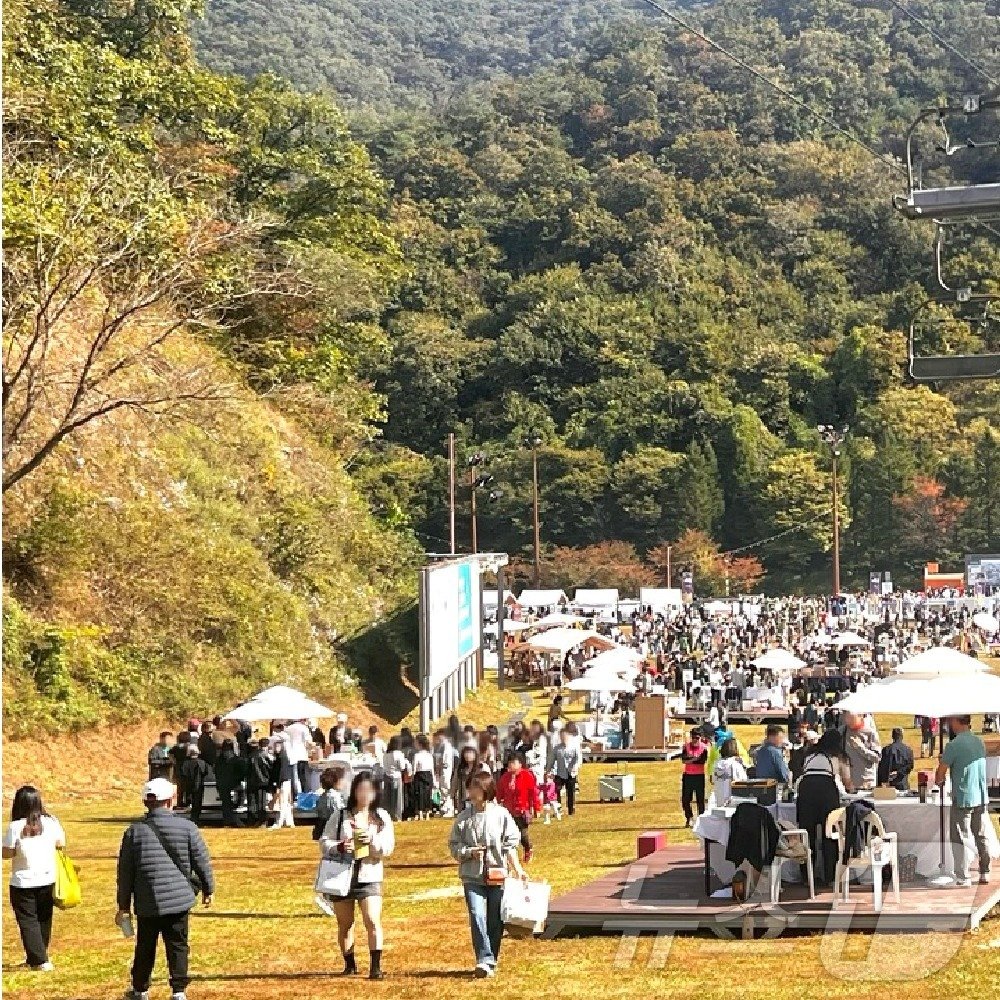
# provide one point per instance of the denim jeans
(483, 902)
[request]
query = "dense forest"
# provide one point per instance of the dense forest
(238, 325)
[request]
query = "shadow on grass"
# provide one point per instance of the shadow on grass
(429, 864)
(233, 977)
(241, 915)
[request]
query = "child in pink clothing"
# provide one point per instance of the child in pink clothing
(550, 800)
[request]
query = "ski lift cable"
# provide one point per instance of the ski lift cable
(787, 94)
(941, 40)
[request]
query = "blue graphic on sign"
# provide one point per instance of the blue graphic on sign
(466, 621)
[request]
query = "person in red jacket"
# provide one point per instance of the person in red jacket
(518, 793)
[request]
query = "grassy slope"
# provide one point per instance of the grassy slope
(241, 948)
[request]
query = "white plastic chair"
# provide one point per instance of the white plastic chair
(880, 849)
(774, 872)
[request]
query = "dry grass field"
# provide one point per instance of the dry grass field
(264, 937)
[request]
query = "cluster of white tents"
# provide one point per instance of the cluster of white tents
(279, 702)
(604, 602)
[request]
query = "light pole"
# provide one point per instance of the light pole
(451, 490)
(834, 437)
(476, 482)
(533, 442)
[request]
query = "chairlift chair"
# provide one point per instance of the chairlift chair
(952, 203)
(950, 367)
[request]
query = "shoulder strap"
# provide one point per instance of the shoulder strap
(171, 853)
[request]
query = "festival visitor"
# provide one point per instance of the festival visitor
(728, 768)
(298, 740)
(423, 777)
(556, 710)
(483, 840)
(178, 754)
(694, 754)
(928, 736)
(565, 768)
(230, 770)
(517, 792)
(161, 863)
(339, 734)
(769, 761)
(259, 766)
(896, 764)
(550, 800)
(332, 797)
(363, 832)
(30, 842)
(863, 750)
(965, 759)
(468, 765)
(160, 757)
(206, 744)
(445, 760)
(817, 795)
(797, 755)
(194, 773)
(394, 767)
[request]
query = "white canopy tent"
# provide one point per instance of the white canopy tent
(940, 661)
(719, 608)
(661, 598)
(600, 682)
(542, 598)
(936, 697)
(849, 639)
(620, 658)
(987, 622)
(779, 660)
(557, 618)
(596, 600)
(562, 640)
(280, 703)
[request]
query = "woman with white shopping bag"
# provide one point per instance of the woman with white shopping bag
(484, 840)
(354, 842)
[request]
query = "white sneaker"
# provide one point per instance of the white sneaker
(323, 903)
(548, 821)
(963, 883)
(45, 967)
(483, 971)
(178, 996)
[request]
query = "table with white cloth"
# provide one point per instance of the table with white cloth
(917, 826)
(774, 695)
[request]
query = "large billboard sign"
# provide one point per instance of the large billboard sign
(982, 571)
(450, 627)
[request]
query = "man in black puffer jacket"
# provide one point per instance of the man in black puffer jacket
(162, 861)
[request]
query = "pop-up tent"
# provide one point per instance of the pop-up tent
(542, 599)
(779, 660)
(596, 600)
(280, 702)
(661, 598)
(562, 640)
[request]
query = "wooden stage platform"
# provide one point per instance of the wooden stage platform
(665, 891)
(592, 756)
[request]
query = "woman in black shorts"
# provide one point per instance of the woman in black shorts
(363, 831)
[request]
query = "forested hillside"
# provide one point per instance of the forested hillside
(411, 53)
(193, 271)
(239, 327)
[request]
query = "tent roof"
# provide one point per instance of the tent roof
(590, 598)
(280, 704)
(937, 697)
(661, 597)
(940, 661)
(562, 640)
(779, 659)
(557, 618)
(541, 598)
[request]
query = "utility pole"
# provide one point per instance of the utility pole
(475, 482)
(451, 488)
(670, 549)
(834, 437)
(533, 442)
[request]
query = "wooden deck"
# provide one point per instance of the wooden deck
(590, 755)
(665, 891)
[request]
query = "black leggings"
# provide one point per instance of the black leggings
(33, 912)
(692, 786)
(522, 825)
(570, 785)
(817, 797)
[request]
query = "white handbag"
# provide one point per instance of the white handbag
(525, 905)
(333, 877)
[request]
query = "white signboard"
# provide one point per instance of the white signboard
(454, 627)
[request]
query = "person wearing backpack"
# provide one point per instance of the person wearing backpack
(162, 862)
(30, 842)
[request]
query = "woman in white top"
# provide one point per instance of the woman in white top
(31, 841)
(394, 767)
(363, 832)
(728, 768)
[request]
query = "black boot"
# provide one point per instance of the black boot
(376, 967)
(350, 964)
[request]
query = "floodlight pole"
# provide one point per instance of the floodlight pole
(834, 437)
(451, 489)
